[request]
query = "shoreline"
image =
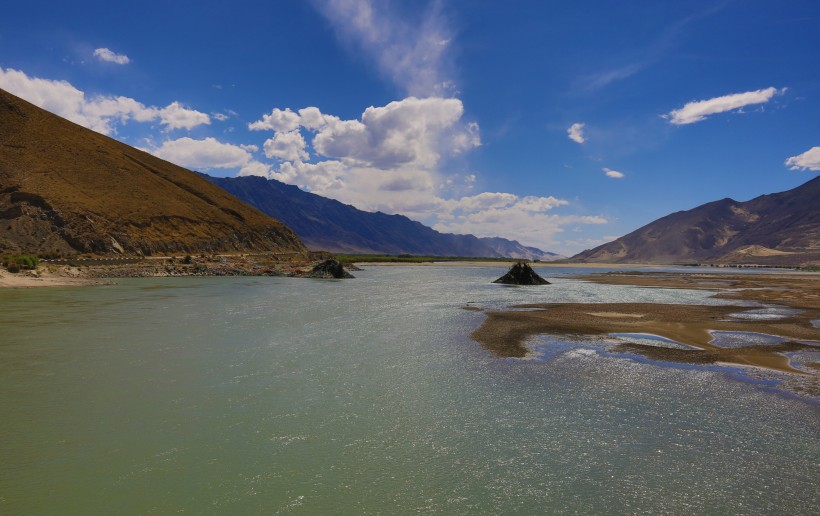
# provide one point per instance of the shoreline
(43, 279)
(91, 272)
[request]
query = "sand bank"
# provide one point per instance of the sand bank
(505, 333)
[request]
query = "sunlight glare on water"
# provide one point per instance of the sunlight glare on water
(237, 395)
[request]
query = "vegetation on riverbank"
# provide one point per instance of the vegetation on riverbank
(15, 264)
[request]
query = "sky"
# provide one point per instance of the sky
(562, 125)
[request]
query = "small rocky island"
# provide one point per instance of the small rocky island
(329, 269)
(521, 274)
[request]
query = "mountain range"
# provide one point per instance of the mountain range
(330, 225)
(777, 229)
(65, 189)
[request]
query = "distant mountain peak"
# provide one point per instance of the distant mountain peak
(773, 229)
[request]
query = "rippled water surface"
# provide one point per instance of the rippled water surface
(276, 395)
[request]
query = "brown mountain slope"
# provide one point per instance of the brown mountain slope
(776, 229)
(66, 189)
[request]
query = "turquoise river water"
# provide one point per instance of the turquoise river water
(367, 396)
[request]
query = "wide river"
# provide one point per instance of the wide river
(367, 396)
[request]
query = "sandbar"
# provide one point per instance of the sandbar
(505, 333)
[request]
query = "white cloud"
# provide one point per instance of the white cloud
(100, 112)
(576, 132)
(289, 146)
(321, 178)
(203, 154)
(390, 160)
(278, 120)
(697, 111)
(613, 173)
(486, 201)
(176, 116)
(411, 131)
(809, 160)
(255, 168)
(103, 54)
(411, 52)
(312, 119)
(537, 229)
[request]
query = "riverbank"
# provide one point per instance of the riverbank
(46, 277)
(98, 271)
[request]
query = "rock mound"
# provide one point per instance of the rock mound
(329, 269)
(521, 274)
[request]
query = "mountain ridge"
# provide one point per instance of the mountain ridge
(330, 225)
(773, 229)
(65, 189)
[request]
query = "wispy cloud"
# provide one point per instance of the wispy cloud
(601, 79)
(104, 54)
(651, 54)
(809, 160)
(413, 56)
(576, 132)
(697, 111)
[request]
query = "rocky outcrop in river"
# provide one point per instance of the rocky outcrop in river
(521, 274)
(329, 269)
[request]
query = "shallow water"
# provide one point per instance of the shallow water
(245, 395)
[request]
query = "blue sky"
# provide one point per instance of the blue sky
(559, 124)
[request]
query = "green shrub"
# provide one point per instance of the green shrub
(21, 262)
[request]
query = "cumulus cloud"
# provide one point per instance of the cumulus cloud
(412, 52)
(99, 113)
(176, 116)
(203, 154)
(809, 160)
(289, 146)
(321, 178)
(410, 131)
(103, 54)
(697, 111)
(576, 132)
(278, 120)
(312, 119)
(255, 168)
(613, 173)
(390, 160)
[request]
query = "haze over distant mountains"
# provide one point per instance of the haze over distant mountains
(776, 229)
(327, 224)
(66, 189)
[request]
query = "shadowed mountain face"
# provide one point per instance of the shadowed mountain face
(66, 189)
(776, 229)
(329, 225)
